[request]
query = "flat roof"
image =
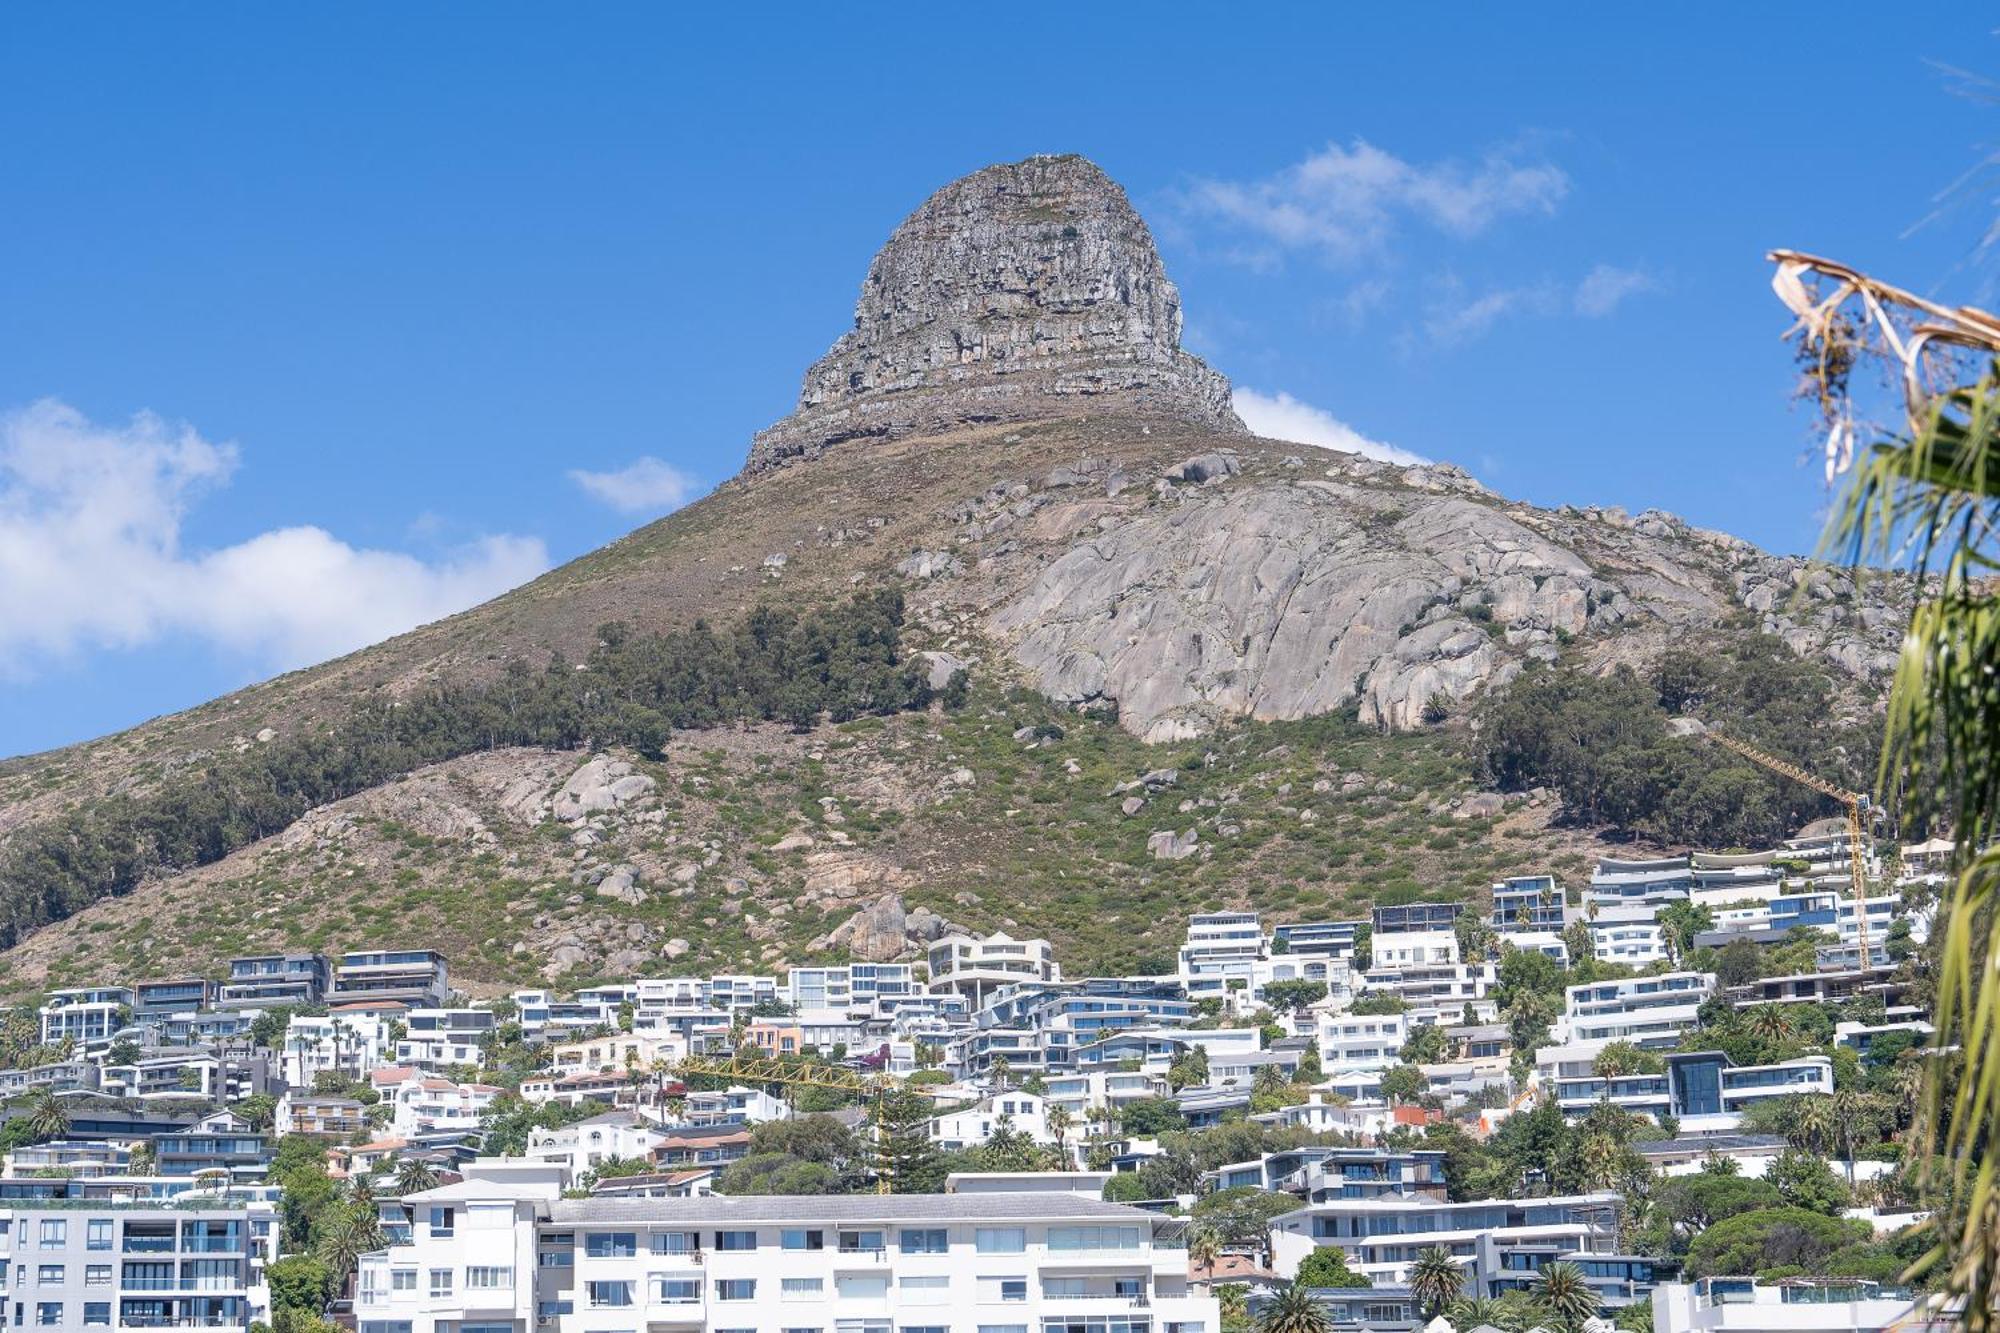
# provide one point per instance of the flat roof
(721, 1208)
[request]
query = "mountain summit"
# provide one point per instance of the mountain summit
(1025, 291)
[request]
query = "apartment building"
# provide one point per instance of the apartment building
(1652, 1012)
(84, 1264)
(975, 967)
(588, 1144)
(1316, 939)
(856, 987)
(1429, 918)
(262, 981)
(385, 979)
(437, 1039)
(1363, 1041)
(1025, 1112)
(1382, 1236)
(85, 1014)
(1081, 1094)
(177, 995)
(424, 1104)
(1438, 993)
(543, 1016)
(1528, 904)
(1220, 948)
(1795, 1305)
(347, 1044)
(486, 1253)
(1628, 934)
(1657, 882)
(321, 1117)
(1705, 1090)
(222, 1141)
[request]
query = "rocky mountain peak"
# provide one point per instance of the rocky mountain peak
(1024, 291)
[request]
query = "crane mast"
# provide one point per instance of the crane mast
(1855, 805)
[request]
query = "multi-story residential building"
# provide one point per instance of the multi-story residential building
(1371, 1173)
(1704, 1090)
(213, 1075)
(1747, 1305)
(321, 1117)
(1081, 1094)
(1382, 1236)
(1316, 939)
(386, 979)
(484, 1252)
(1024, 1112)
(696, 1147)
(734, 992)
(588, 1144)
(1529, 904)
(348, 1044)
(975, 967)
(78, 1159)
(424, 1104)
(85, 1014)
(223, 1141)
(1652, 1012)
(74, 1263)
(1659, 881)
(437, 1039)
(617, 1053)
(180, 995)
(733, 1106)
(1220, 948)
(262, 981)
(1360, 1041)
(1412, 948)
(543, 1017)
(1439, 993)
(1821, 987)
(1629, 933)
(1429, 918)
(856, 987)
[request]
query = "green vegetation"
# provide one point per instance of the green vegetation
(632, 690)
(1603, 742)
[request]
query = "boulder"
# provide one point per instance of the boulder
(1166, 845)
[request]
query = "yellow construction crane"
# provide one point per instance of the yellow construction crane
(1856, 806)
(755, 1069)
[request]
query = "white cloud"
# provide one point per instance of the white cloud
(1348, 202)
(1463, 320)
(91, 555)
(646, 484)
(1283, 417)
(1605, 288)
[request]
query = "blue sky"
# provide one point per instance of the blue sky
(408, 296)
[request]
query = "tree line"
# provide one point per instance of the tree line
(632, 690)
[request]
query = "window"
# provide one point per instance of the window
(402, 1279)
(736, 1289)
(440, 1282)
(861, 1286)
(677, 1290)
(993, 1289)
(611, 1244)
(556, 1259)
(552, 1310)
(924, 1290)
(676, 1242)
(97, 1314)
(860, 1242)
(1003, 1328)
(1093, 1238)
(795, 1239)
(801, 1288)
(735, 1240)
(925, 1328)
(48, 1314)
(55, 1235)
(50, 1275)
(609, 1295)
(441, 1223)
(99, 1233)
(97, 1275)
(1000, 1240)
(928, 1240)
(489, 1279)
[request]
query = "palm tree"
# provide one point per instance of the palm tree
(1293, 1310)
(1060, 1121)
(1435, 1280)
(48, 1115)
(1469, 1312)
(1812, 1128)
(361, 1189)
(1922, 497)
(1204, 1248)
(1856, 1114)
(414, 1175)
(1564, 1292)
(1234, 1307)
(1600, 1160)
(350, 1233)
(1771, 1022)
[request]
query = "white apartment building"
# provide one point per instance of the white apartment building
(1100, 1090)
(1360, 1041)
(1627, 934)
(88, 1264)
(854, 987)
(437, 1039)
(350, 1044)
(508, 1253)
(1745, 1305)
(85, 1014)
(587, 1144)
(1403, 949)
(1220, 947)
(1653, 1012)
(1439, 993)
(969, 1128)
(975, 968)
(733, 1105)
(618, 1053)
(1382, 1236)
(424, 1103)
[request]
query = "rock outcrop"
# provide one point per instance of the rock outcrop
(1024, 291)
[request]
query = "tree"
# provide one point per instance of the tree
(1190, 1070)
(1680, 921)
(1404, 1083)
(1565, 1293)
(298, 1282)
(1232, 1300)
(48, 1115)
(906, 1154)
(1470, 1312)
(1770, 1238)
(1771, 1022)
(1204, 1247)
(1810, 1124)
(1805, 1181)
(259, 1110)
(1293, 1310)
(413, 1176)
(345, 1233)
(1002, 1072)
(1326, 1267)
(1149, 1117)
(1738, 963)
(1426, 1045)
(1435, 1280)
(1293, 996)
(1242, 1215)
(1310, 1069)
(1620, 1059)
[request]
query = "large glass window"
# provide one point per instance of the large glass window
(1000, 1240)
(609, 1295)
(677, 1290)
(1093, 1238)
(797, 1238)
(802, 1288)
(736, 1289)
(926, 1240)
(735, 1240)
(99, 1233)
(611, 1244)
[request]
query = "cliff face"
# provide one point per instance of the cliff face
(1024, 291)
